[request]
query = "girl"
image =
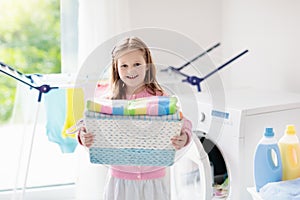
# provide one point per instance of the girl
(133, 76)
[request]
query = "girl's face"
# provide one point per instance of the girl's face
(132, 69)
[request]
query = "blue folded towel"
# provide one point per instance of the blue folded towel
(282, 190)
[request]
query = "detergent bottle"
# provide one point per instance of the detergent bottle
(290, 153)
(267, 160)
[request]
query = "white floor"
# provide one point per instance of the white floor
(66, 192)
(48, 166)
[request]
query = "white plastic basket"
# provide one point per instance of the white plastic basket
(132, 140)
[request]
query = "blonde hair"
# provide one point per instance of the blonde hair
(118, 88)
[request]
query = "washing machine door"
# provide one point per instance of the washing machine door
(191, 175)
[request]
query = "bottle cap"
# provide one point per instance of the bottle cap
(269, 132)
(290, 129)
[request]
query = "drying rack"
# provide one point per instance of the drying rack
(42, 89)
(26, 79)
(194, 80)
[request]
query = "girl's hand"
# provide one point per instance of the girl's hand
(87, 139)
(180, 141)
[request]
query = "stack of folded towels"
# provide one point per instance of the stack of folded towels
(153, 106)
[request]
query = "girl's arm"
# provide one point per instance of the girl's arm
(184, 138)
(186, 133)
(187, 129)
(84, 138)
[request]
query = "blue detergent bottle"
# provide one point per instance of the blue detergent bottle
(267, 160)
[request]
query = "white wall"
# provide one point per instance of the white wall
(198, 19)
(269, 29)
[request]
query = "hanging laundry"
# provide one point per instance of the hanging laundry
(64, 107)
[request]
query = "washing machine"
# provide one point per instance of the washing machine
(229, 136)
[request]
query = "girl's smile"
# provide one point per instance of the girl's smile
(132, 77)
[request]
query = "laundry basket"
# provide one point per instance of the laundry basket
(133, 140)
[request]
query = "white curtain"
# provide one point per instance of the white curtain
(69, 35)
(98, 20)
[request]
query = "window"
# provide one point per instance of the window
(32, 40)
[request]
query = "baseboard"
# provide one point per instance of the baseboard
(57, 192)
